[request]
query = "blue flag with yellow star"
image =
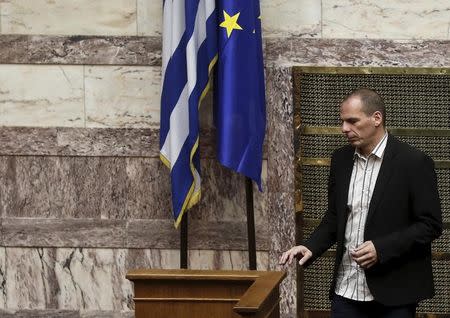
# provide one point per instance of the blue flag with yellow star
(240, 111)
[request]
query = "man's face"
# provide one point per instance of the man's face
(359, 128)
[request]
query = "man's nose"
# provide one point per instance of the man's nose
(344, 127)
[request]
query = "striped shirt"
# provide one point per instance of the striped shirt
(351, 280)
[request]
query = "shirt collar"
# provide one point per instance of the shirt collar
(378, 151)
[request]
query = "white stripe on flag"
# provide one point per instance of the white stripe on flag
(173, 30)
(179, 118)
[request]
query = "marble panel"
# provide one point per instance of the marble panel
(117, 142)
(149, 17)
(13, 48)
(201, 235)
(80, 50)
(29, 232)
(300, 18)
(91, 142)
(280, 135)
(31, 185)
(122, 97)
(30, 278)
(27, 141)
(147, 190)
(101, 17)
(28, 100)
(63, 186)
(362, 52)
(402, 19)
(282, 237)
(84, 187)
(92, 279)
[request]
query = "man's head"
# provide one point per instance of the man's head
(363, 119)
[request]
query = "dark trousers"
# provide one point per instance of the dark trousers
(346, 308)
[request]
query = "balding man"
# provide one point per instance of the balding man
(383, 213)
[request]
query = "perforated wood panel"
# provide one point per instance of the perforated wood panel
(417, 105)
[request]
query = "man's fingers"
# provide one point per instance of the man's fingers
(360, 252)
(367, 264)
(289, 256)
(362, 246)
(362, 259)
(284, 257)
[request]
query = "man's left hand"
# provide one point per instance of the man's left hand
(365, 255)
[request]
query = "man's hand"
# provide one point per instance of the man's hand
(365, 255)
(288, 256)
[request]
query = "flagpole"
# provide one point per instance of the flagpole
(184, 242)
(250, 223)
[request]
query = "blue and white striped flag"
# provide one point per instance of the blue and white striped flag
(189, 54)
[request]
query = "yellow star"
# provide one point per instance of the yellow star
(230, 23)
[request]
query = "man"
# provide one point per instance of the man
(383, 213)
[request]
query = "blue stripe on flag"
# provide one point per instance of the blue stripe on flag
(176, 72)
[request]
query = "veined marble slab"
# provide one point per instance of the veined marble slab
(291, 18)
(80, 50)
(42, 96)
(92, 279)
(149, 17)
(384, 19)
(122, 97)
(66, 279)
(100, 17)
(30, 278)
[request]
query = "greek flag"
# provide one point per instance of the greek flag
(197, 34)
(189, 54)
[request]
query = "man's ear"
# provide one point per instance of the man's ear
(378, 118)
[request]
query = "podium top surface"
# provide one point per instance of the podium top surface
(183, 274)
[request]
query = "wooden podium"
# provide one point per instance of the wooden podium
(206, 294)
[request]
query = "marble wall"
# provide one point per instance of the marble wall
(83, 195)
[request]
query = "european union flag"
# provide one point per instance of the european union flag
(240, 112)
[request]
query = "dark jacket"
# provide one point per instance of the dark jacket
(404, 218)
